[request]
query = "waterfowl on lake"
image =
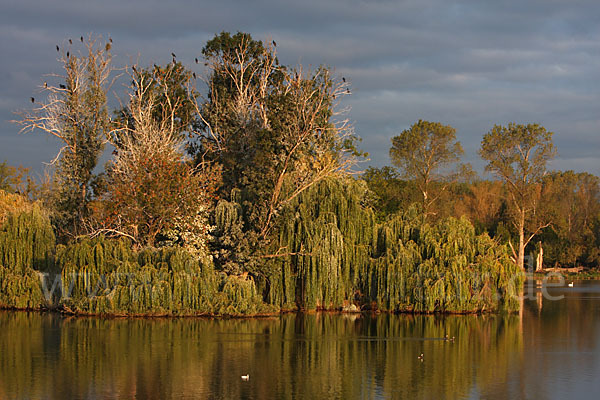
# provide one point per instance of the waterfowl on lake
(571, 284)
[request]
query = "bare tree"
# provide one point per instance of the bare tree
(152, 189)
(75, 112)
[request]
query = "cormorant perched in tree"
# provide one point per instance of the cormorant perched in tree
(196, 60)
(62, 86)
(343, 79)
(173, 54)
(57, 48)
(274, 43)
(347, 90)
(32, 100)
(70, 41)
(107, 47)
(81, 38)
(194, 75)
(67, 54)
(133, 68)
(110, 39)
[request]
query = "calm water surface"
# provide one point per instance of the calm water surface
(551, 351)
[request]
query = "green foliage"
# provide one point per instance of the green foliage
(26, 250)
(14, 179)
(428, 153)
(20, 290)
(271, 129)
(83, 125)
(238, 295)
(103, 276)
(332, 252)
(573, 202)
(518, 155)
(324, 245)
(391, 193)
(230, 245)
(27, 241)
(442, 268)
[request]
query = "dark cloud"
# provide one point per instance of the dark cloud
(470, 64)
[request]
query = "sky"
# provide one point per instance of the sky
(468, 64)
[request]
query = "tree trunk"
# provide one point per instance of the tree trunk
(539, 262)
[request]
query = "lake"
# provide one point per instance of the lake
(549, 351)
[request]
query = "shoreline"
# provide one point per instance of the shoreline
(577, 273)
(70, 313)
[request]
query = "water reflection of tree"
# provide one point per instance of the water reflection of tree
(303, 356)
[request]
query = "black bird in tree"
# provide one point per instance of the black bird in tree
(62, 86)
(70, 41)
(57, 48)
(173, 54)
(110, 39)
(81, 38)
(32, 100)
(274, 43)
(196, 60)
(67, 54)
(343, 79)
(348, 91)
(133, 68)
(194, 75)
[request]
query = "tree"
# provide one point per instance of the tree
(518, 154)
(172, 92)
(75, 113)
(483, 204)
(153, 193)
(392, 194)
(429, 154)
(271, 128)
(12, 178)
(573, 201)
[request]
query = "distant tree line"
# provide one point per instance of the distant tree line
(527, 206)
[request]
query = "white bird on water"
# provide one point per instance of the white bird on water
(246, 377)
(571, 284)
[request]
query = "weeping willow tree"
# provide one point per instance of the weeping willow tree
(328, 253)
(103, 276)
(445, 267)
(323, 247)
(26, 249)
(331, 252)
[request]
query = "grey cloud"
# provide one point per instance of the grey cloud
(470, 64)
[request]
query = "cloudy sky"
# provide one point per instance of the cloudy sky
(469, 64)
